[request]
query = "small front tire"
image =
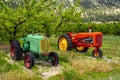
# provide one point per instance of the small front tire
(97, 54)
(53, 58)
(29, 60)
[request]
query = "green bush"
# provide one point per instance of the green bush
(105, 28)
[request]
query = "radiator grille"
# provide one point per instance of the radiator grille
(45, 45)
(99, 39)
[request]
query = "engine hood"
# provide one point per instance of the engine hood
(35, 36)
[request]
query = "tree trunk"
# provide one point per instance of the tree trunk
(14, 32)
(1, 42)
(48, 35)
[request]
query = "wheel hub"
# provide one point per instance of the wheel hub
(63, 44)
(12, 52)
(80, 48)
(27, 61)
(96, 54)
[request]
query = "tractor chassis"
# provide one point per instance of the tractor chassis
(81, 41)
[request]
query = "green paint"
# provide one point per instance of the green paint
(26, 46)
(35, 43)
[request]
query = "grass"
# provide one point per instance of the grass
(86, 67)
(76, 66)
(13, 72)
(17, 75)
(83, 67)
(111, 46)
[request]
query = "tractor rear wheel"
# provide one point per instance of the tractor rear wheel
(53, 58)
(29, 60)
(15, 50)
(97, 54)
(82, 49)
(64, 42)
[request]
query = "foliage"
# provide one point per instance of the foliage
(27, 16)
(112, 28)
(21, 17)
(20, 20)
(107, 28)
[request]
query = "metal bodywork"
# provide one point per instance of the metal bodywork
(81, 41)
(89, 39)
(35, 43)
(31, 48)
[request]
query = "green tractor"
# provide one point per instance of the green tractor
(31, 48)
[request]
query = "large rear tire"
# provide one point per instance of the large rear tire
(53, 58)
(15, 50)
(64, 42)
(29, 60)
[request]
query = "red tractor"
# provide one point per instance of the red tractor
(82, 42)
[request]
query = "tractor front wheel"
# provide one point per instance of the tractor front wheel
(82, 49)
(29, 60)
(97, 53)
(53, 58)
(64, 42)
(15, 50)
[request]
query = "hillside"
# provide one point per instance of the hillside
(98, 10)
(98, 3)
(101, 10)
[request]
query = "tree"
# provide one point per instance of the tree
(69, 17)
(20, 17)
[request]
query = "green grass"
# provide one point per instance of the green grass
(111, 46)
(76, 66)
(13, 72)
(79, 66)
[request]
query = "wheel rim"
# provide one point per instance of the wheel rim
(63, 44)
(12, 52)
(96, 54)
(80, 48)
(27, 61)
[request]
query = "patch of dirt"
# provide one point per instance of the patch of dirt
(52, 72)
(9, 60)
(5, 47)
(106, 59)
(44, 69)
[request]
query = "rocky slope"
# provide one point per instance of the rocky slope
(101, 10)
(98, 3)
